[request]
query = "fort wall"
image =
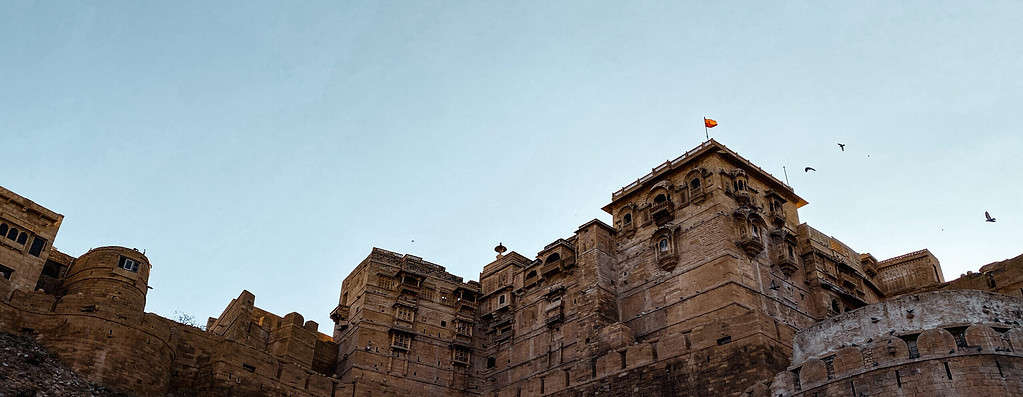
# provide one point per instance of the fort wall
(704, 283)
(938, 343)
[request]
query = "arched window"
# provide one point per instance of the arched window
(500, 300)
(627, 219)
(756, 230)
(553, 258)
(742, 185)
(663, 244)
(22, 238)
(660, 199)
(834, 306)
(791, 253)
(3, 229)
(531, 274)
(12, 234)
(695, 184)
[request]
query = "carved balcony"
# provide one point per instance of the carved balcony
(786, 263)
(553, 318)
(742, 197)
(551, 268)
(662, 212)
(752, 245)
(340, 316)
(466, 306)
(776, 217)
(408, 300)
(666, 261)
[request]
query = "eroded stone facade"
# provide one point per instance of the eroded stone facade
(705, 283)
(943, 343)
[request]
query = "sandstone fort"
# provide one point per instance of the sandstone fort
(706, 283)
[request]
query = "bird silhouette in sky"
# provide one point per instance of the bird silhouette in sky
(808, 169)
(841, 146)
(988, 216)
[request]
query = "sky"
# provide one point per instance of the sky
(269, 146)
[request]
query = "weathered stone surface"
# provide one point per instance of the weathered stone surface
(909, 359)
(704, 283)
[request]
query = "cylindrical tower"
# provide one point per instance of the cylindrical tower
(116, 275)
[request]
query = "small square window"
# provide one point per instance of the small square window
(128, 264)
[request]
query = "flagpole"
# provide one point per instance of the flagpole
(705, 133)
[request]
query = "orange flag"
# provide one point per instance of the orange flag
(710, 123)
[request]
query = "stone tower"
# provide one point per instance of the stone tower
(113, 276)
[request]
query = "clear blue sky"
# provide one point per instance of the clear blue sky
(269, 146)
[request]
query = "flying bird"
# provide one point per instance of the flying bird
(808, 169)
(988, 216)
(841, 146)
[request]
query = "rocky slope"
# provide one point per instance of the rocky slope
(28, 370)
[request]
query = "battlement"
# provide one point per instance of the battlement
(968, 332)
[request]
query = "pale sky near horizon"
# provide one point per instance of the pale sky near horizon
(269, 145)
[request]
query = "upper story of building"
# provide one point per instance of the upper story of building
(27, 231)
(667, 192)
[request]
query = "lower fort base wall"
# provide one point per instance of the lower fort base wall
(103, 347)
(969, 375)
(147, 355)
(718, 370)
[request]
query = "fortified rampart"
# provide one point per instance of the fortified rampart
(98, 328)
(937, 343)
(705, 282)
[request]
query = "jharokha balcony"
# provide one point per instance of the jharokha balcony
(787, 264)
(752, 245)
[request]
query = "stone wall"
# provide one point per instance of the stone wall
(941, 343)
(116, 344)
(908, 272)
(27, 231)
(700, 286)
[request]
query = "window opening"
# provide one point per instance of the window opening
(401, 341)
(663, 245)
(128, 264)
(463, 328)
(627, 219)
(22, 238)
(37, 246)
(403, 313)
(461, 355)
